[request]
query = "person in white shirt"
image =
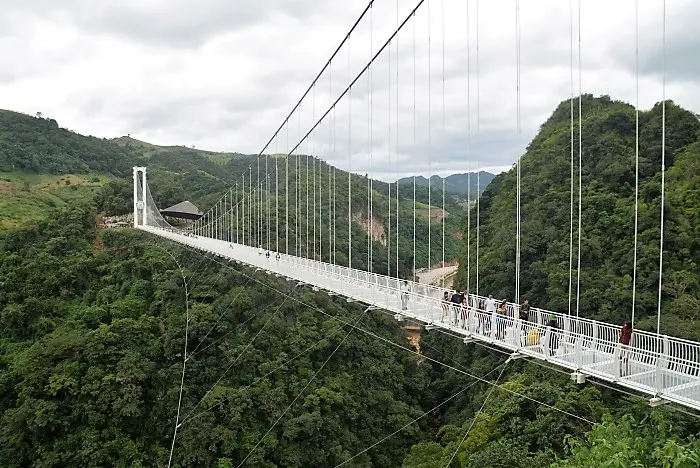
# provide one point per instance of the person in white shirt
(490, 309)
(404, 295)
(490, 305)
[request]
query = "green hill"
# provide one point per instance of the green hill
(93, 326)
(607, 217)
(37, 156)
(455, 183)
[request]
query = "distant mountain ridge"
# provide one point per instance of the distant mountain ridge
(455, 183)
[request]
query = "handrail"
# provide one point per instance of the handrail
(661, 362)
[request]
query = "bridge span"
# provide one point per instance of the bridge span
(663, 367)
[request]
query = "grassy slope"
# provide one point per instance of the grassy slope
(25, 196)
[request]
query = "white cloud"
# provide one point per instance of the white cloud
(222, 75)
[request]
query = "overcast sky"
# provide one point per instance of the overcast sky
(222, 74)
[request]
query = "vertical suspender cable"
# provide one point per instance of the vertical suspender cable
(313, 182)
(286, 193)
(517, 236)
(230, 218)
(636, 158)
(297, 203)
(307, 201)
(335, 217)
(349, 167)
(478, 165)
(580, 164)
(469, 150)
(267, 194)
(444, 213)
(237, 224)
(277, 197)
(397, 140)
(414, 145)
(244, 224)
(258, 223)
(313, 165)
(320, 209)
(430, 149)
(663, 165)
(253, 238)
(389, 232)
(331, 131)
(571, 103)
(370, 115)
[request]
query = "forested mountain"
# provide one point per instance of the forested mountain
(93, 326)
(608, 175)
(42, 155)
(92, 330)
(455, 183)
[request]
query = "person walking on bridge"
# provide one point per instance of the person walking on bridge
(404, 295)
(625, 339)
(524, 314)
(456, 300)
(445, 305)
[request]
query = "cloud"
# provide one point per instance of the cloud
(223, 75)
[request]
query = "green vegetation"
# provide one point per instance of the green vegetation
(90, 356)
(607, 241)
(92, 327)
(25, 196)
(91, 340)
(459, 184)
(178, 173)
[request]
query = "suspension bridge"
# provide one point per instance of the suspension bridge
(275, 221)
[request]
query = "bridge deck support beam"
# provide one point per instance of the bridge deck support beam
(657, 401)
(578, 377)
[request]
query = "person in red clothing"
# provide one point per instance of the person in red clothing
(625, 339)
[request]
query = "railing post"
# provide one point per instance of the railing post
(545, 341)
(492, 331)
(578, 354)
(594, 341)
(617, 362)
(661, 365)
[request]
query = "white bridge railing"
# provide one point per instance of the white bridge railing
(657, 365)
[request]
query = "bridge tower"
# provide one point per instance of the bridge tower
(139, 196)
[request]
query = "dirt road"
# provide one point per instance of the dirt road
(435, 275)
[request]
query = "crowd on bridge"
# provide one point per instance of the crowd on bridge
(513, 324)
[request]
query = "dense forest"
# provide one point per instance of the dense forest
(607, 218)
(93, 326)
(176, 173)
